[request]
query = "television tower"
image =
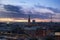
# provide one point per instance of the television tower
(29, 19)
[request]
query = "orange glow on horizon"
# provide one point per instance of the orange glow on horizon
(21, 20)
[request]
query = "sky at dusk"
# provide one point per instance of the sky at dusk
(30, 3)
(40, 10)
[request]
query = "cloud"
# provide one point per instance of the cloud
(10, 11)
(2, 8)
(56, 16)
(18, 12)
(44, 10)
(12, 8)
(56, 10)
